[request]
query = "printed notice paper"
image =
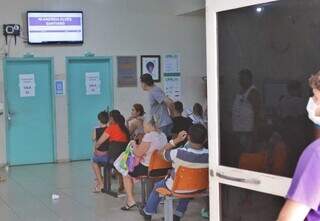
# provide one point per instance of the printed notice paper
(27, 85)
(172, 86)
(93, 83)
(172, 63)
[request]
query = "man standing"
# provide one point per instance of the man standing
(159, 104)
(246, 111)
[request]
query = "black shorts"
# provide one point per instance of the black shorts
(139, 170)
(115, 150)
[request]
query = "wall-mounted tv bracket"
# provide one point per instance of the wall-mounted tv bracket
(11, 30)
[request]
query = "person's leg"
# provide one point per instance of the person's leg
(97, 172)
(128, 186)
(121, 184)
(182, 207)
(205, 210)
(154, 199)
(96, 160)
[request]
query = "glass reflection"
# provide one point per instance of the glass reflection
(265, 59)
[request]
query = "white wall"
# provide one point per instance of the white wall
(187, 6)
(116, 27)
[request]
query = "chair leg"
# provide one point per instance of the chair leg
(168, 209)
(106, 179)
(149, 187)
(143, 192)
(107, 182)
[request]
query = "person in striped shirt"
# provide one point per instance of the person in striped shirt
(193, 155)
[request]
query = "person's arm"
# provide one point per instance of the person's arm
(293, 211)
(132, 125)
(254, 99)
(172, 144)
(304, 192)
(128, 120)
(101, 140)
(141, 149)
(170, 105)
(160, 97)
(94, 136)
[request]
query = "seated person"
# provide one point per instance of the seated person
(197, 114)
(180, 123)
(192, 155)
(118, 136)
(100, 154)
(135, 122)
(303, 198)
(153, 140)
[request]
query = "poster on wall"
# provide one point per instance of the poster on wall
(172, 85)
(27, 85)
(150, 64)
(172, 63)
(93, 83)
(127, 71)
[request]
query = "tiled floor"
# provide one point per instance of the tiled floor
(26, 195)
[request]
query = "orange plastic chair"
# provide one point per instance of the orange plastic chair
(279, 159)
(188, 183)
(254, 161)
(158, 163)
(158, 169)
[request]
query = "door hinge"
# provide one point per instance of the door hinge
(211, 173)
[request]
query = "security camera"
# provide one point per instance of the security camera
(11, 29)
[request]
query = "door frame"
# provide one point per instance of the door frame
(28, 58)
(85, 58)
(261, 182)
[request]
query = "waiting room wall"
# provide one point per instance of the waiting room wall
(116, 27)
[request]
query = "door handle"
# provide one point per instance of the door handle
(237, 179)
(10, 114)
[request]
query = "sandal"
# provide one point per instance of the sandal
(97, 189)
(2, 179)
(128, 208)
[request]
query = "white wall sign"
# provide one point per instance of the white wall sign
(172, 63)
(27, 85)
(172, 86)
(93, 83)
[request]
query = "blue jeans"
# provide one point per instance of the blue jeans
(155, 198)
(103, 159)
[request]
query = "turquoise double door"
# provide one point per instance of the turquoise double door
(90, 90)
(30, 106)
(29, 102)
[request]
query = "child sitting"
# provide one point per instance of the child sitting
(117, 134)
(197, 114)
(192, 155)
(100, 153)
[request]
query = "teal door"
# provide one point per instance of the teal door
(90, 90)
(29, 110)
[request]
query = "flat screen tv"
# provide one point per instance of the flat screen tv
(55, 27)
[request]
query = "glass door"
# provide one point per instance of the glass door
(260, 55)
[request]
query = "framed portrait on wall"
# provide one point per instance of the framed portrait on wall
(150, 64)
